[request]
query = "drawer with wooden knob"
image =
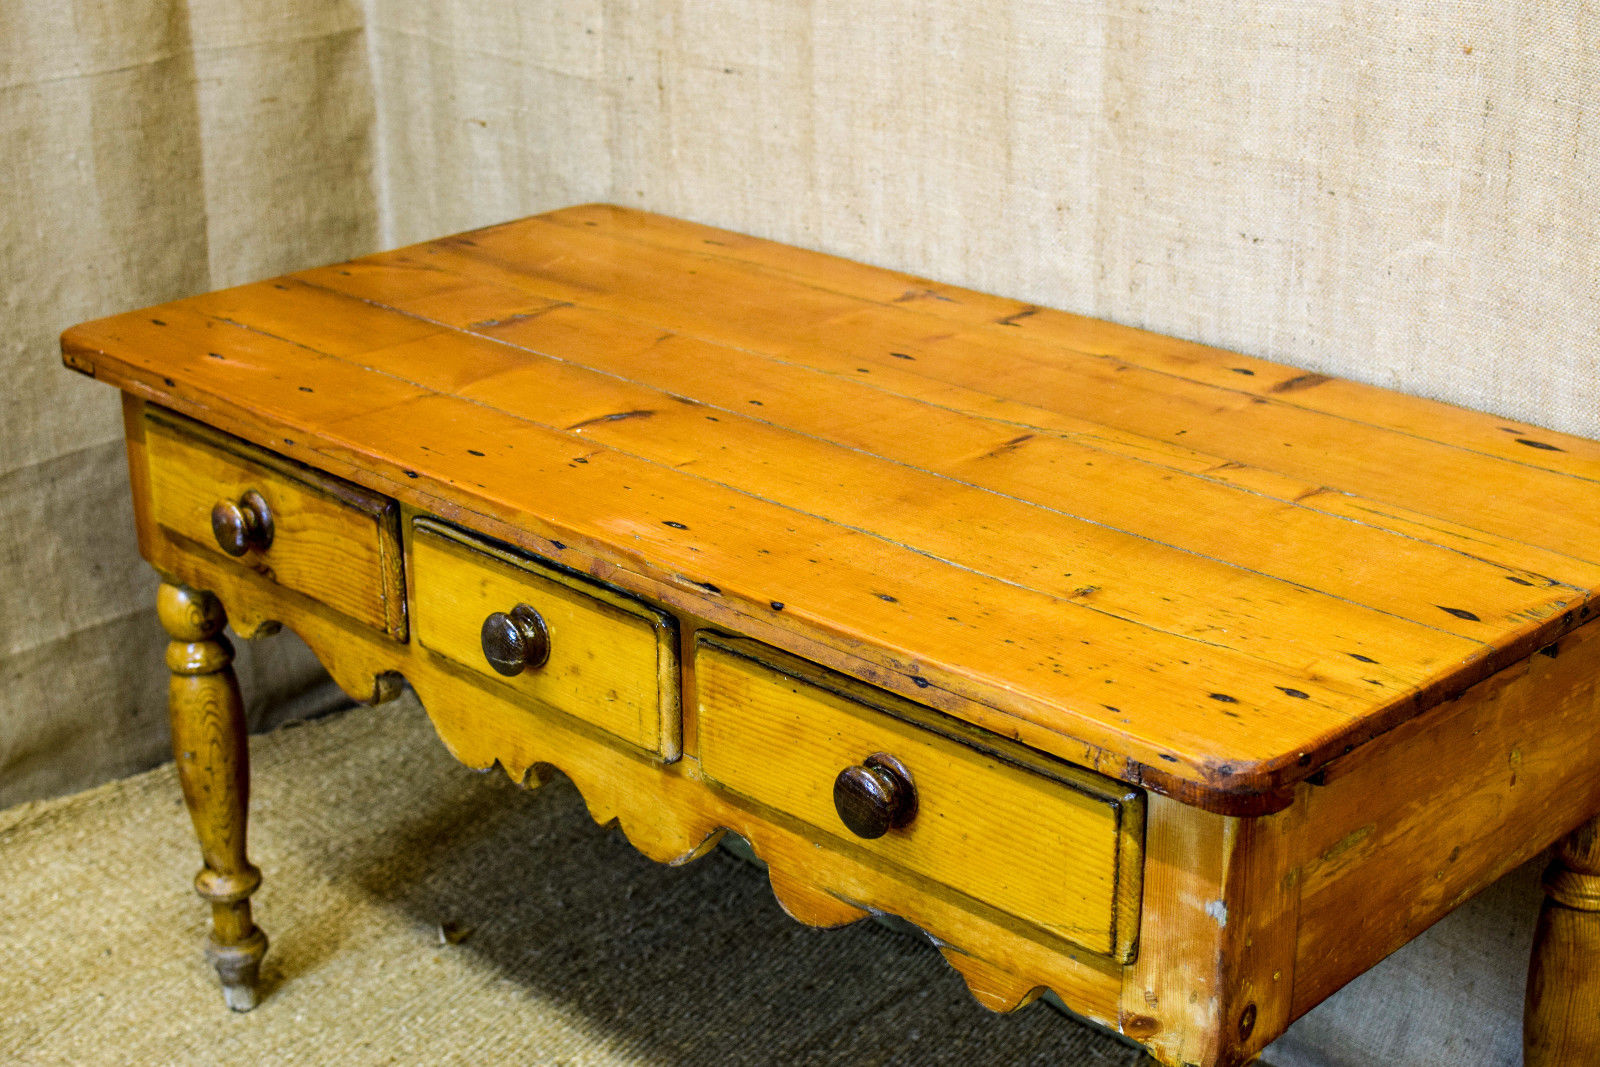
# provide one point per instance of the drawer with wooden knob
(1005, 830)
(555, 639)
(332, 541)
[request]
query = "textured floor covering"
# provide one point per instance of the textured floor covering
(577, 949)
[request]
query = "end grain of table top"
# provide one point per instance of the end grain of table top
(1197, 571)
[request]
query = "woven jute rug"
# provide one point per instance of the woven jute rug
(421, 913)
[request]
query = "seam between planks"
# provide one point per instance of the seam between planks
(736, 414)
(1411, 686)
(1085, 440)
(987, 326)
(527, 282)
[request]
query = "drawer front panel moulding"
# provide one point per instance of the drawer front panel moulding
(606, 658)
(310, 532)
(1051, 844)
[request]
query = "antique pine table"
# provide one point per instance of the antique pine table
(1183, 684)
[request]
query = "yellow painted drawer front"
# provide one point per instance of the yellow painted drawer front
(1047, 843)
(613, 660)
(332, 541)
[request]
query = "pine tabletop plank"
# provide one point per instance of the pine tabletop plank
(1198, 571)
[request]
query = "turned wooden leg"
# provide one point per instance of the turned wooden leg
(209, 744)
(1561, 1023)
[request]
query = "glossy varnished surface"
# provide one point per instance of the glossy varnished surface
(1186, 568)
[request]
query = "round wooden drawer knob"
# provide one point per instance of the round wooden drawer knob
(243, 524)
(875, 797)
(515, 640)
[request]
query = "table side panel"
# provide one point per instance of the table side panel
(1441, 806)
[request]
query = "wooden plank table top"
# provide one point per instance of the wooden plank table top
(1202, 573)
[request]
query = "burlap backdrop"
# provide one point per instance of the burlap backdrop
(148, 150)
(1401, 195)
